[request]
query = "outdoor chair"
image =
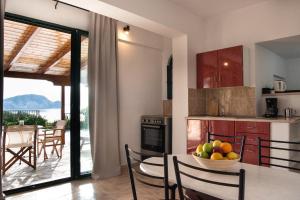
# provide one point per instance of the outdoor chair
(54, 138)
(18, 141)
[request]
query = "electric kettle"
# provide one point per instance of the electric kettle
(280, 86)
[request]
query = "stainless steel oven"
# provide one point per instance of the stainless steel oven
(156, 134)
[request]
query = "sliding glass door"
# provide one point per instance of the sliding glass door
(45, 85)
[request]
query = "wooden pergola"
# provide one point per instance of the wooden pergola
(32, 52)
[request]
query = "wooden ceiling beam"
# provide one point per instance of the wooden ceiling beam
(84, 64)
(60, 53)
(53, 60)
(29, 34)
(56, 79)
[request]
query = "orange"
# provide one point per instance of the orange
(227, 147)
(216, 156)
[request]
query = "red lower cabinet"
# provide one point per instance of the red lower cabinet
(222, 127)
(251, 155)
(196, 134)
(253, 130)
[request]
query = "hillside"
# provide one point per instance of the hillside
(29, 102)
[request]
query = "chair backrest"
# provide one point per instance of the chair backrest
(178, 172)
(19, 136)
(238, 142)
(60, 127)
(61, 124)
(281, 148)
(136, 174)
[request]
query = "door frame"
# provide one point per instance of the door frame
(75, 100)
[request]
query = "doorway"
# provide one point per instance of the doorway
(45, 66)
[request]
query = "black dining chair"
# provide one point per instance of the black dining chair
(264, 156)
(136, 174)
(238, 142)
(198, 195)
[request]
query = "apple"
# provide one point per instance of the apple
(217, 143)
(207, 147)
(199, 148)
(203, 154)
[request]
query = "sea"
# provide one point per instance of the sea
(51, 114)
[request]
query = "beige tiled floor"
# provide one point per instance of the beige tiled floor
(117, 188)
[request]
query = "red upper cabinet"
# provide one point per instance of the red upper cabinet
(230, 61)
(220, 68)
(207, 69)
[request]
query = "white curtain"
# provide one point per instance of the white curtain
(2, 8)
(103, 96)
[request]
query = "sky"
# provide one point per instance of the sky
(16, 86)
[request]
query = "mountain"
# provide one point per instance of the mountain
(29, 102)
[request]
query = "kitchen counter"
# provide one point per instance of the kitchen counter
(279, 119)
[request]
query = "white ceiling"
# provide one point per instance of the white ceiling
(207, 8)
(288, 48)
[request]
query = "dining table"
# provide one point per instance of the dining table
(261, 183)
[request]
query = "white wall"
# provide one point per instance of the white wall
(180, 75)
(293, 67)
(44, 10)
(270, 63)
(261, 22)
(139, 90)
(140, 81)
(267, 64)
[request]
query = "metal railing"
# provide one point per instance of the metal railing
(31, 112)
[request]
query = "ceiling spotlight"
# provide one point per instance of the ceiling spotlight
(126, 29)
(225, 64)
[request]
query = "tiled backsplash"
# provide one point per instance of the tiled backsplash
(229, 101)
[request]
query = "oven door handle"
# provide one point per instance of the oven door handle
(150, 126)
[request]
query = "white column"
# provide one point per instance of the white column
(180, 93)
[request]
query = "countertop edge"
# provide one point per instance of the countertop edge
(253, 119)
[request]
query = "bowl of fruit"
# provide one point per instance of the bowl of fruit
(216, 155)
